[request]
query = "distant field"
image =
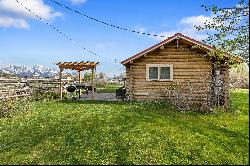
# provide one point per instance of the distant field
(108, 88)
(86, 132)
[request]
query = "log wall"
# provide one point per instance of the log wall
(190, 70)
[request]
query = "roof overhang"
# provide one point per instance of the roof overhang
(166, 41)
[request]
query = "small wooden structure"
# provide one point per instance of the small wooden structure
(78, 66)
(174, 62)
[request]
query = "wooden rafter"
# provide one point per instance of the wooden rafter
(80, 66)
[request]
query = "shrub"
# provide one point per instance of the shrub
(180, 94)
(10, 107)
(42, 94)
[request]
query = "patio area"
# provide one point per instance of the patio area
(100, 96)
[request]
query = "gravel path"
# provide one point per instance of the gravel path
(100, 96)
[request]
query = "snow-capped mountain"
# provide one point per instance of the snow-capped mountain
(25, 71)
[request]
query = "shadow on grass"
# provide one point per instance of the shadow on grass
(93, 102)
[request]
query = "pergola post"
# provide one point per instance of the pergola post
(60, 87)
(93, 83)
(80, 80)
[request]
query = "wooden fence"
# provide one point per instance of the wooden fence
(19, 87)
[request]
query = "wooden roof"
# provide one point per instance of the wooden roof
(205, 47)
(80, 66)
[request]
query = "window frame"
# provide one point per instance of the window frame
(159, 70)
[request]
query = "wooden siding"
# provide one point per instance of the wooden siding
(188, 67)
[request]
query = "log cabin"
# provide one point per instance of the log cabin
(182, 66)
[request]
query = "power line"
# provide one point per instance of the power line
(57, 30)
(105, 23)
(63, 34)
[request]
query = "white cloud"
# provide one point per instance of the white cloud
(76, 2)
(140, 28)
(186, 27)
(105, 45)
(7, 22)
(195, 20)
(165, 24)
(16, 13)
(38, 6)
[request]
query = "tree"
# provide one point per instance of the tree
(6, 75)
(121, 77)
(230, 29)
(239, 76)
(101, 76)
(87, 76)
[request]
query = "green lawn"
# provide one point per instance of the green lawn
(125, 133)
(108, 88)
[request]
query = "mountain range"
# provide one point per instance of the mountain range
(25, 71)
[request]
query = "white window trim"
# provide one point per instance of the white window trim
(159, 66)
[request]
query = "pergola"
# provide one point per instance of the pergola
(79, 66)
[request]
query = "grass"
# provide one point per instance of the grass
(108, 88)
(65, 132)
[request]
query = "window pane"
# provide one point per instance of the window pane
(153, 73)
(165, 73)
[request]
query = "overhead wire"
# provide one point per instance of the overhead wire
(104, 22)
(58, 30)
(62, 33)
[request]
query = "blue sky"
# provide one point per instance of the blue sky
(24, 40)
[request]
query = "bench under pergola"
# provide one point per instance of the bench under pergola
(78, 66)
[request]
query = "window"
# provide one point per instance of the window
(153, 73)
(159, 72)
(164, 72)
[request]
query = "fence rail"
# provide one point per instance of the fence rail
(10, 88)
